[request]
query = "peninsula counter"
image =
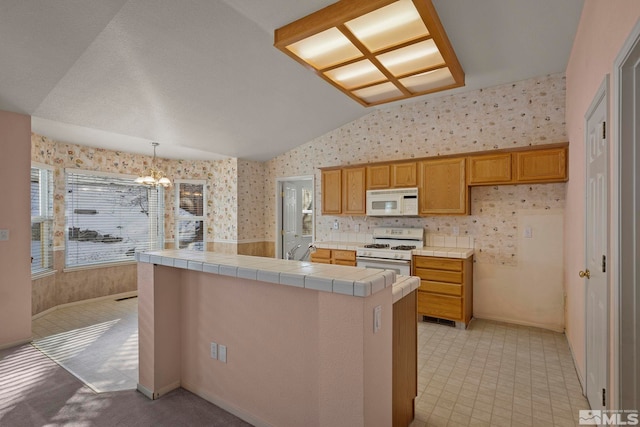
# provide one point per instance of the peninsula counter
(302, 343)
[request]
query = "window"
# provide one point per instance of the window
(190, 214)
(110, 218)
(41, 218)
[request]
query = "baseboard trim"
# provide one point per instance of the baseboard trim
(244, 415)
(15, 343)
(578, 373)
(164, 390)
(84, 301)
(554, 328)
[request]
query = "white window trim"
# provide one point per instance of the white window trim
(47, 217)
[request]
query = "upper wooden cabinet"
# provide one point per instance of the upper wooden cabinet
(378, 177)
(489, 169)
(392, 175)
(539, 166)
(443, 187)
(332, 191)
(404, 175)
(353, 191)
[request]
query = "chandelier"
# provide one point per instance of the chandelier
(154, 177)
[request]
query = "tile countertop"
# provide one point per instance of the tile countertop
(444, 252)
(359, 282)
(438, 251)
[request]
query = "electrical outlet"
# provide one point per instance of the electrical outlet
(456, 230)
(214, 350)
(222, 353)
(336, 225)
(4, 234)
(356, 228)
(528, 232)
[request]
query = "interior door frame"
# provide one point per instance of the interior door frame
(601, 95)
(278, 200)
(626, 186)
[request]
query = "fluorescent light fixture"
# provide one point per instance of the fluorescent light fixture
(375, 51)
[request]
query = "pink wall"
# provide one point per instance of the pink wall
(603, 28)
(15, 215)
(295, 357)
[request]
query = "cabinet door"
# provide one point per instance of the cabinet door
(378, 177)
(331, 192)
(541, 165)
(443, 187)
(490, 169)
(404, 175)
(353, 191)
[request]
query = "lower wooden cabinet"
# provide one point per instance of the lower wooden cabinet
(334, 256)
(446, 287)
(405, 360)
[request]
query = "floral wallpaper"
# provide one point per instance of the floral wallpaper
(221, 182)
(529, 112)
(251, 190)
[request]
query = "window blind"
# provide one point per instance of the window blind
(109, 218)
(41, 219)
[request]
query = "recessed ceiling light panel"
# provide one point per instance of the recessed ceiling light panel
(375, 51)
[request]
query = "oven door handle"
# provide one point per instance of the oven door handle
(383, 260)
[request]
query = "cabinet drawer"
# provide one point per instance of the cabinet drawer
(439, 275)
(321, 254)
(439, 263)
(442, 306)
(344, 255)
(321, 260)
(344, 262)
(441, 288)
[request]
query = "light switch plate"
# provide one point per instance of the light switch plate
(377, 318)
(4, 234)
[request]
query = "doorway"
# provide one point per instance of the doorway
(626, 245)
(596, 248)
(295, 224)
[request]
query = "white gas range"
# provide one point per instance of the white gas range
(391, 249)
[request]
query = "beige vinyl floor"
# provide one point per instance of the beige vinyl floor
(491, 374)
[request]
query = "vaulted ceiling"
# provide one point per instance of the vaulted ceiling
(202, 77)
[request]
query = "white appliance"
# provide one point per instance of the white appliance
(391, 249)
(393, 202)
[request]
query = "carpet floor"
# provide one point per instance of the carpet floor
(35, 391)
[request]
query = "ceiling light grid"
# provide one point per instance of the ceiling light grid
(375, 51)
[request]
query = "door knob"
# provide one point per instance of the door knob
(585, 273)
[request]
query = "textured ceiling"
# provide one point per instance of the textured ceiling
(202, 77)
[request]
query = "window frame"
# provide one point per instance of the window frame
(178, 217)
(45, 209)
(156, 218)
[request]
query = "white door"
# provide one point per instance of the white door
(596, 239)
(297, 218)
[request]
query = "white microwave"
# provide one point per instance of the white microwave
(393, 202)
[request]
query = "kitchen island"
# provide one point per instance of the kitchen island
(302, 345)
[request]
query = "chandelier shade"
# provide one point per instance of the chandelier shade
(154, 177)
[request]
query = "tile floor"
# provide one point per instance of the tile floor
(96, 341)
(492, 374)
(495, 374)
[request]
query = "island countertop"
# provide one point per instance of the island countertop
(355, 281)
